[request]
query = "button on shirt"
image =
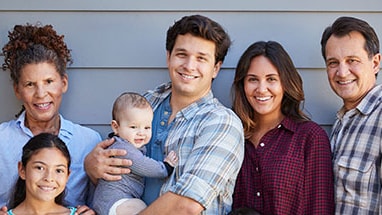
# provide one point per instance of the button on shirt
(290, 172)
(356, 141)
(209, 140)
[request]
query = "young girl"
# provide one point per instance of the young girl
(43, 173)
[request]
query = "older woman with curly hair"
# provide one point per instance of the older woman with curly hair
(37, 57)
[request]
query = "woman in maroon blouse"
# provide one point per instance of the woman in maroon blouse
(287, 167)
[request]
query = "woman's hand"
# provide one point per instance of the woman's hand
(102, 162)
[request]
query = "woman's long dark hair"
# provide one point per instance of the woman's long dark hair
(290, 81)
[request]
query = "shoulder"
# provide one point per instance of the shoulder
(298, 125)
(14, 131)
(156, 96)
(132, 151)
(372, 102)
(309, 132)
(309, 124)
(311, 128)
(122, 144)
(220, 123)
(304, 129)
(375, 92)
(79, 139)
(89, 132)
(9, 125)
(14, 125)
(218, 113)
(79, 130)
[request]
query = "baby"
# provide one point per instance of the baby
(131, 124)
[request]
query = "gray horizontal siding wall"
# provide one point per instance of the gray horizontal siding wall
(119, 46)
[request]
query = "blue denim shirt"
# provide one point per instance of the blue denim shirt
(155, 148)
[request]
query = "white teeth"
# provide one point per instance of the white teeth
(263, 98)
(345, 82)
(46, 188)
(43, 105)
(188, 76)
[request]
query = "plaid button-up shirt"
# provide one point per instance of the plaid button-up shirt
(209, 140)
(290, 172)
(356, 141)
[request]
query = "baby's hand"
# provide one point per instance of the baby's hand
(171, 158)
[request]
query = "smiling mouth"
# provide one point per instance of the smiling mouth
(345, 82)
(46, 188)
(264, 98)
(43, 105)
(187, 76)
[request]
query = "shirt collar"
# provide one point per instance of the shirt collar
(367, 104)
(66, 127)
(159, 94)
(191, 110)
(371, 100)
(163, 91)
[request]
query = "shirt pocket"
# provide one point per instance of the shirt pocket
(355, 180)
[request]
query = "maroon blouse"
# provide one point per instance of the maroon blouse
(290, 172)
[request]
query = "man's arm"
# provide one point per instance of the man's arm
(101, 162)
(173, 204)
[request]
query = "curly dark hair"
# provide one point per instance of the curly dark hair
(34, 44)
